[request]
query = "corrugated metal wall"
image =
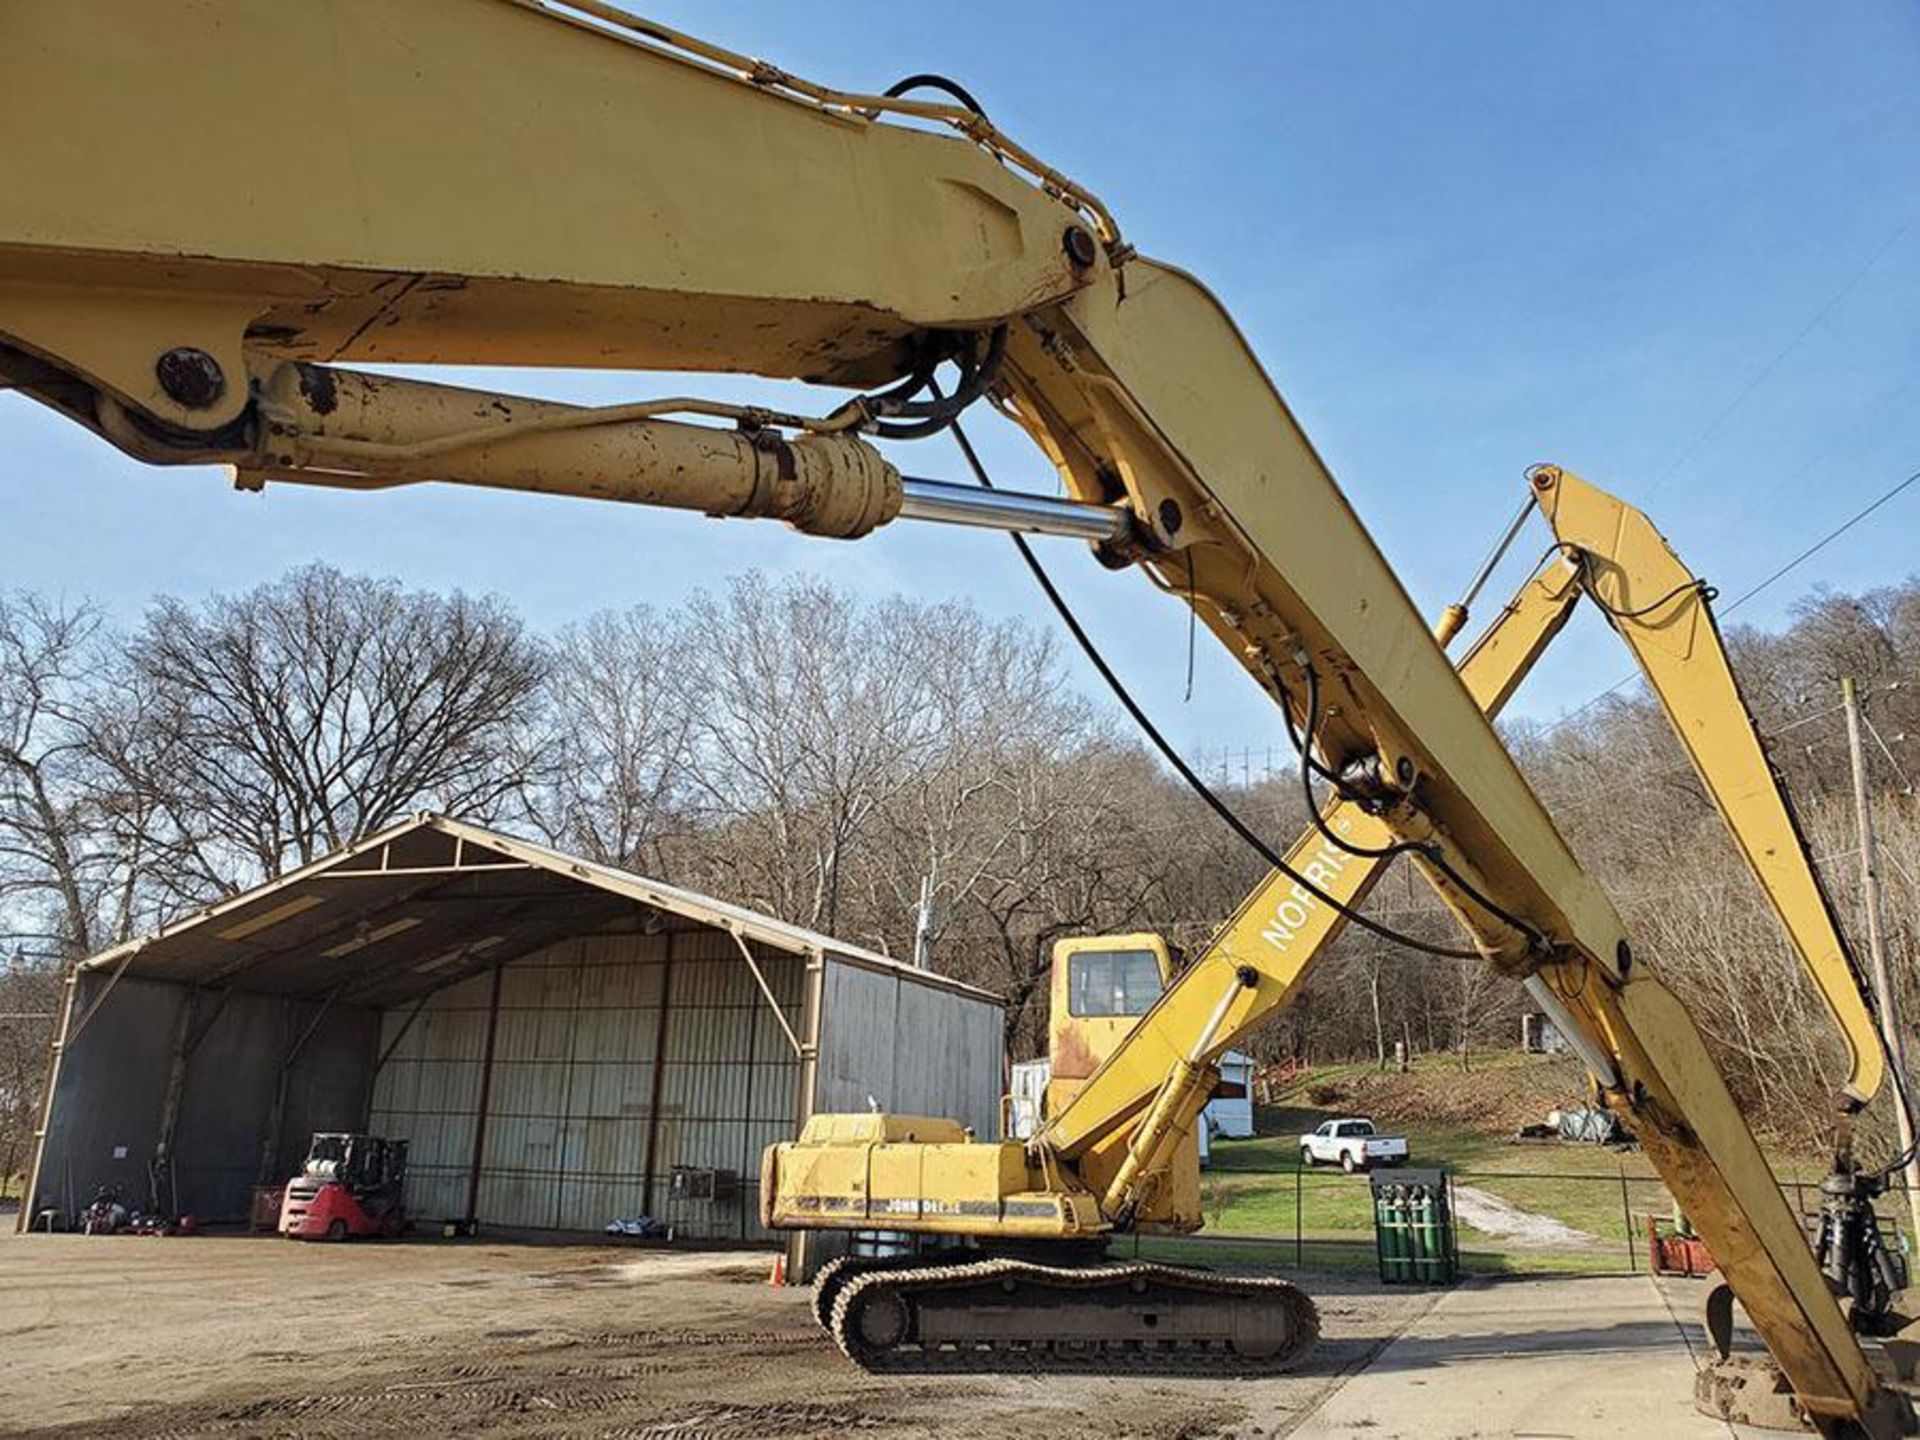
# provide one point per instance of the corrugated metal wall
(107, 1099)
(911, 1048)
(428, 1093)
(110, 1095)
(732, 1080)
(577, 1058)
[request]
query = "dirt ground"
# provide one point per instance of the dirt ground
(215, 1335)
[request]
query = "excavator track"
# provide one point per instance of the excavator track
(1010, 1315)
(828, 1281)
(834, 1276)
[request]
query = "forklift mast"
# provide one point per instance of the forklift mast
(363, 1163)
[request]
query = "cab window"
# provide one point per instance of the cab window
(1112, 982)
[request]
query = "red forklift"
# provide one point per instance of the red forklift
(349, 1185)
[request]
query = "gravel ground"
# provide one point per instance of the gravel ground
(229, 1336)
(1522, 1229)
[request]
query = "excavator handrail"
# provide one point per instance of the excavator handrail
(969, 120)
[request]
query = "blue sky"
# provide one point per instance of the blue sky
(1676, 249)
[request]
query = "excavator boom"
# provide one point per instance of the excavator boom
(236, 199)
(1609, 552)
(1282, 928)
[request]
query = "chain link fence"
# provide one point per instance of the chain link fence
(1510, 1221)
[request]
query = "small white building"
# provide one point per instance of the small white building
(1228, 1116)
(1231, 1116)
(1540, 1036)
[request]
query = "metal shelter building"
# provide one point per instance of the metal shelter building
(555, 1038)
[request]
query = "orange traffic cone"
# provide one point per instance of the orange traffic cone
(779, 1273)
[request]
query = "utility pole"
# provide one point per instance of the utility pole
(1877, 948)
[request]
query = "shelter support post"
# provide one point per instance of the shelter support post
(807, 1050)
(807, 1097)
(276, 1113)
(56, 1052)
(486, 1094)
(659, 1090)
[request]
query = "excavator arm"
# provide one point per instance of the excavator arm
(1604, 550)
(1282, 927)
(239, 200)
(1664, 613)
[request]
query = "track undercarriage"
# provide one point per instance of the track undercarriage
(971, 1312)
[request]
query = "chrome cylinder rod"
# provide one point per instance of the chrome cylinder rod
(1598, 1061)
(951, 504)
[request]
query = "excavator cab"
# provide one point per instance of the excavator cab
(1101, 986)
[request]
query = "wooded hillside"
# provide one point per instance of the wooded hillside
(815, 756)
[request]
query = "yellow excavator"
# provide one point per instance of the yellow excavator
(211, 214)
(1132, 1063)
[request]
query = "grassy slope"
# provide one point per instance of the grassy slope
(1459, 1118)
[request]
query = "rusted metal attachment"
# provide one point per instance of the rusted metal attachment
(1082, 249)
(191, 376)
(1903, 1351)
(1748, 1390)
(1716, 1317)
(833, 485)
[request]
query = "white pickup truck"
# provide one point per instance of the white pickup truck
(1353, 1144)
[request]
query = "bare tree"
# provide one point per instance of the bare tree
(292, 719)
(29, 993)
(1077, 859)
(59, 868)
(809, 713)
(53, 869)
(607, 775)
(998, 698)
(816, 755)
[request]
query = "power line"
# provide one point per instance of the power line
(1760, 376)
(1587, 799)
(1638, 777)
(1822, 543)
(1433, 908)
(1905, 783)
(1559, 806)
(1905, 873)
(1679, 887)
(1780, 574)
(1764, 503)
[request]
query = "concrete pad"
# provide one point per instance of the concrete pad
(1576, 1357)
